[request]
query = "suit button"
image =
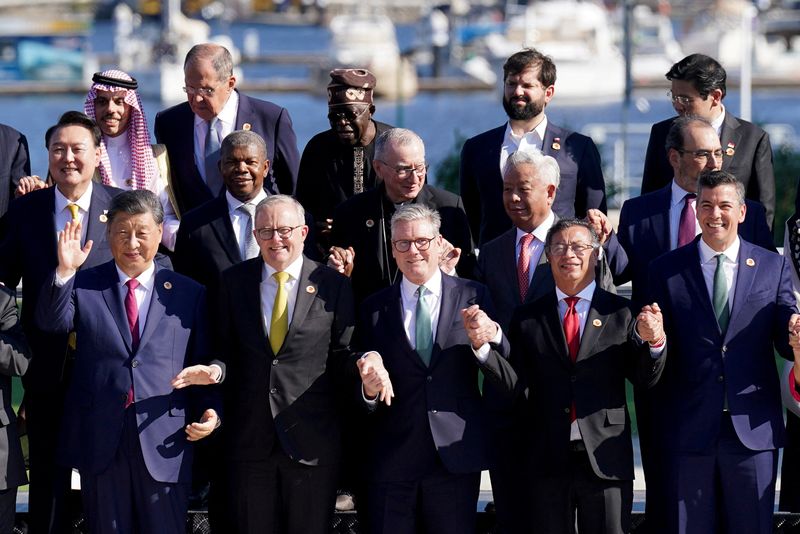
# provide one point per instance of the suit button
(573, 378)
(567, 410)
(720, 378)
(135, 363)
(429, 378)
(274, 362)
(434, 411)
(273, 391)
(724, 348)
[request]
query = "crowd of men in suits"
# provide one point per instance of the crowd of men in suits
(186, 342)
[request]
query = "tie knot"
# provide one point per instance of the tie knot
(247, 208)
(720, 258)
(132, 284)
(421, 291)
(571, 302)
(526, 240)
(281, 276)
(73, 210)
(690, 196)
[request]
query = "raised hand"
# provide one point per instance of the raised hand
(70, 254)
(449, 257)
(600, 223)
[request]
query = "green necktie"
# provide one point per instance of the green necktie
(422, 328)
(279, 323)
(721, 309)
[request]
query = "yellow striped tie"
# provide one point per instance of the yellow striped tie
(73, 209)
(279, 324)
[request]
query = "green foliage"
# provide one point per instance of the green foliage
(447, 170)
(786, 162)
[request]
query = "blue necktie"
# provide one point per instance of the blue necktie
(213, 176)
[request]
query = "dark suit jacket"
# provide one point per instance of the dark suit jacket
(174, 127)
(299, 386)
(551, 382)
(29, 253)
(704, 363)
(363, 223)
(14, 163)
(438, 415)
(14, 359)
(106, 366)
(582, 186)
(644, 236)
(751, 162)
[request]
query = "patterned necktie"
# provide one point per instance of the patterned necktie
(358, 169)
(524, 265)
(687, 228)
(249, 248)
(422, 327)
(132, 312)
(213, 176)
(572, 331)
(721, 309)
(279, 324)
(73, 211)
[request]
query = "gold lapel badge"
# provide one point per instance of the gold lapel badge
(103, 217)
(370, 223)
(731, 150)
(750, 262)
(556, 143)
(597, 322)
(167, 285)
(247, 127)
(311, 290)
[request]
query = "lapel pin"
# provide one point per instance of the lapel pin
(556, 143)
(750, 262)
(597, 322)
(167, 285)
(246, 127)
(103, 217)
(370, 223)
(731, 150)
(311, 290)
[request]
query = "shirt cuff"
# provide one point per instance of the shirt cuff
(793, 386)
(61, 282)
(218, 376)
(482, 353)
(370, 402)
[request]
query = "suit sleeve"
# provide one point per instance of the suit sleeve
(55, 311)
(591, 187)
(762, 235)
(616, 248)
(20, 163)
(764, 176)
(210, 396)
(14, 352)
(286, 160)
(643, 369)
(651, 173)
(497, 369)
(787, 305)
(468, 186)
(10, 249)
(339, 353)
(463, 239)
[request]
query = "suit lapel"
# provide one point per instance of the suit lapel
(221, 225)
(729, 135)
(745, 276)
(96, 223)
(159, 301)
(555, 330)
(113, 296)
(696, 282)
(508, 267)
(595, 324)
(447, 311)
(306, 293)
(394, 325)
(660, 219)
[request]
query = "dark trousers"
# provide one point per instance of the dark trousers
(727, 489)
(790, 468)
(125, 499)
(439, 503)
(580, 497)
(8, 510)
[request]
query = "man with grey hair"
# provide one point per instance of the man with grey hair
(426, 338)
(361, 239)
(193, 131)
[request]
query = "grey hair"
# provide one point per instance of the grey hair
(136, 202)
(713, 178)
(563, 224)
(220, 58)
(395, 136)
(282, 199)
(243, 138)
(547, 169)
(416, 212)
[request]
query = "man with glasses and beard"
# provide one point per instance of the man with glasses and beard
(529, 86)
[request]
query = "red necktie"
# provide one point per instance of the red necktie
(524, 265)
(572, 331)
(132, 311)
(687, 228)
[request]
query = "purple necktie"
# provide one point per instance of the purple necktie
(132, 311)
(687, 228)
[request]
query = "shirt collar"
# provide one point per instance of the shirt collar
(540, 232)
(678, 194)
(717, 123)
(146, 280)
(83, 202)
(708, 254)
(293, 269)
(433, 284)
(539, 129)
(228, 114)
(585, 294)
(234, 203)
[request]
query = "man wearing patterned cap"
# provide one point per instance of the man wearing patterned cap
(127, 161)
(337, 163)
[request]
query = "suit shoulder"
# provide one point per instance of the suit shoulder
(108, 190)
(173, 112)
(662, 127)
(326, 275)
(179, 281)
(263, 106)
(496, 244)
(200, 215)
(30, 205)
(487, 136)
(10, 132)
(442, 197)
(643, 204)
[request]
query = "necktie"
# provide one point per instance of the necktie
(572, 331)
(687, 226)
(422, 327)
(279, 324)
(524, 265)
(249, 245)
(73, 211)
(213, 176)
(132, 312)
(358, 170)
(721, 309)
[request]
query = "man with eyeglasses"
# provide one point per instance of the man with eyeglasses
(193, 131)
(337, 163)
(361, 224)
(529, 85)
(698, 88)
(425, 339)
(573, 348)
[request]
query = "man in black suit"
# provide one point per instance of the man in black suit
(698, 88)
(573, 349)
(427, 336)
(530, 79)
(361, 224)
(215, 106)
(28, 252)
(284, 327)
(15, 163)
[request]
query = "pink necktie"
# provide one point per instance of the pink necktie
(524, 265)
(572, 331)
(687, 227)
(132, 311)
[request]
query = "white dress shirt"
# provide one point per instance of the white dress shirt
(675, 208)
(513, 142)
(433, 298)
(143, 292)
(717, 123)
(239, 219)
(269, 287)
(730, 265)
(536, 246)
(63, 215)
(225, 125)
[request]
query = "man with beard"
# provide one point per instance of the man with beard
(530, 79)
(337, 163)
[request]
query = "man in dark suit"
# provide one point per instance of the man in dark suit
(427, 336)
(530, 79)
(698, 88)
(141, 338)
(28, 252)
(15, 163)
(284, 327)
(573, 349)
(215, 106)
(361, 224)
(726, 304)
(14, 360)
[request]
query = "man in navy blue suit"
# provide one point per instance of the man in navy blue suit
(727, 305)
(530, 79)
(215, 106)
(141, 339)
(15, 163)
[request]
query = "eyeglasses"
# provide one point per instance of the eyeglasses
(560, 249)
(348, 115)
(680, 99)
(404, 245)
(702, 155)
(404, 171)
(284, 232)
(205, 92)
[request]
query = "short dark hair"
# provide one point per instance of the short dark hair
(676, 136)
(74, 118)
(136, 202)
(710, 179)
(531, 58)
(241, 138)
(703, 72)
(563, 224)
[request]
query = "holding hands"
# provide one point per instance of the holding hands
(449, 257)
(650, 324)
(341, 259)
(600, 223)
(480, 329)
(375, 378)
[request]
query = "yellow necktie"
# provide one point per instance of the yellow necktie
(279, 325)
(73, 209)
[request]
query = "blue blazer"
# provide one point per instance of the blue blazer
(174, 127)
(582, 185)
(174, 336)
(14, 163)
(705, 363)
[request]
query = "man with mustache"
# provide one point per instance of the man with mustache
(530, 79)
